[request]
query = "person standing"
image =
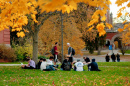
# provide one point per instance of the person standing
(56, 53)
(107, 58)
(70, 53)
(118, 57)
(113, 57)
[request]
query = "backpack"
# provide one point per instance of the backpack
(52, 51)
(67, 66)
(73, 51)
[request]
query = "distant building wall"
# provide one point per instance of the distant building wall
(5, 37)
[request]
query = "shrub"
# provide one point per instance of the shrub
(7, 53)
(23, 51)
(43, 57)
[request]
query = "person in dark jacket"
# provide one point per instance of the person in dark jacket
(113, 57)
(107, 58)
(86, 59)
(70, 53)
(93, 66)
(118, 57)
(66, 65)
(39, 63)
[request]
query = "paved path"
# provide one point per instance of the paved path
(99, 58)
(11, 64)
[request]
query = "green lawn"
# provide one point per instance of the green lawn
(128, 51)
(110, 76)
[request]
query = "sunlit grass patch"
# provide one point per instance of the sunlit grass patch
(110, 76)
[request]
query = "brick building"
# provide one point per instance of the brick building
(5, 37)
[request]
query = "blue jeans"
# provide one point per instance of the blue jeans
(50, 67)
(118, 60)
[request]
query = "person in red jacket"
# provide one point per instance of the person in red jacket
(56, 53)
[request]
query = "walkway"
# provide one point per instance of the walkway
(99, 58)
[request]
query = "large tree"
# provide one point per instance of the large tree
(17, 13)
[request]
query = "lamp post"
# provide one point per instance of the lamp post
(62, 36)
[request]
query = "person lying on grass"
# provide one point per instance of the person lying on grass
(78, 66)
(93, 66)
(31, 64)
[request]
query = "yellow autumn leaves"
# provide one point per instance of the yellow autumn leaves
(13, 11)
(126, 29)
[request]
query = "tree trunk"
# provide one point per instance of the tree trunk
(35, 46)
(99, 50)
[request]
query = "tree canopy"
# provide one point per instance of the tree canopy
(13, 12)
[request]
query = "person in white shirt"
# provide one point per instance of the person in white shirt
(43, 64)
(50, 64)
(78, 66)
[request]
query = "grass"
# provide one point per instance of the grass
(110, 76)
(128, 52)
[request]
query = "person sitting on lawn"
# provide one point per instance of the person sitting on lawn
(50, 65)
(93, 66)
(66, 65)
(86, 59)
(78, 66)
(43, 65)
(31, 64)
(39, 63)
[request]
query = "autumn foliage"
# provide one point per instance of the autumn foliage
(50, 33)
(7, 53)
(126, 30)
(13, 12)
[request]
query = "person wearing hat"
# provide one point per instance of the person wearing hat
(78, 66)
(93, 66)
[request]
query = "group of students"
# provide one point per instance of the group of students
(113, 57)
(48, 65)
(79, 66)
(42, 64)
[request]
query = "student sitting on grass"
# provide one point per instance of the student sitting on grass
(78, 66)
(50, 64)
(93, 66)
(86, 59)
(39, 63)
(66, 65)
(43, 65)
(31, 64)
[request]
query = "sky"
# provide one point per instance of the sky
(114, 8)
